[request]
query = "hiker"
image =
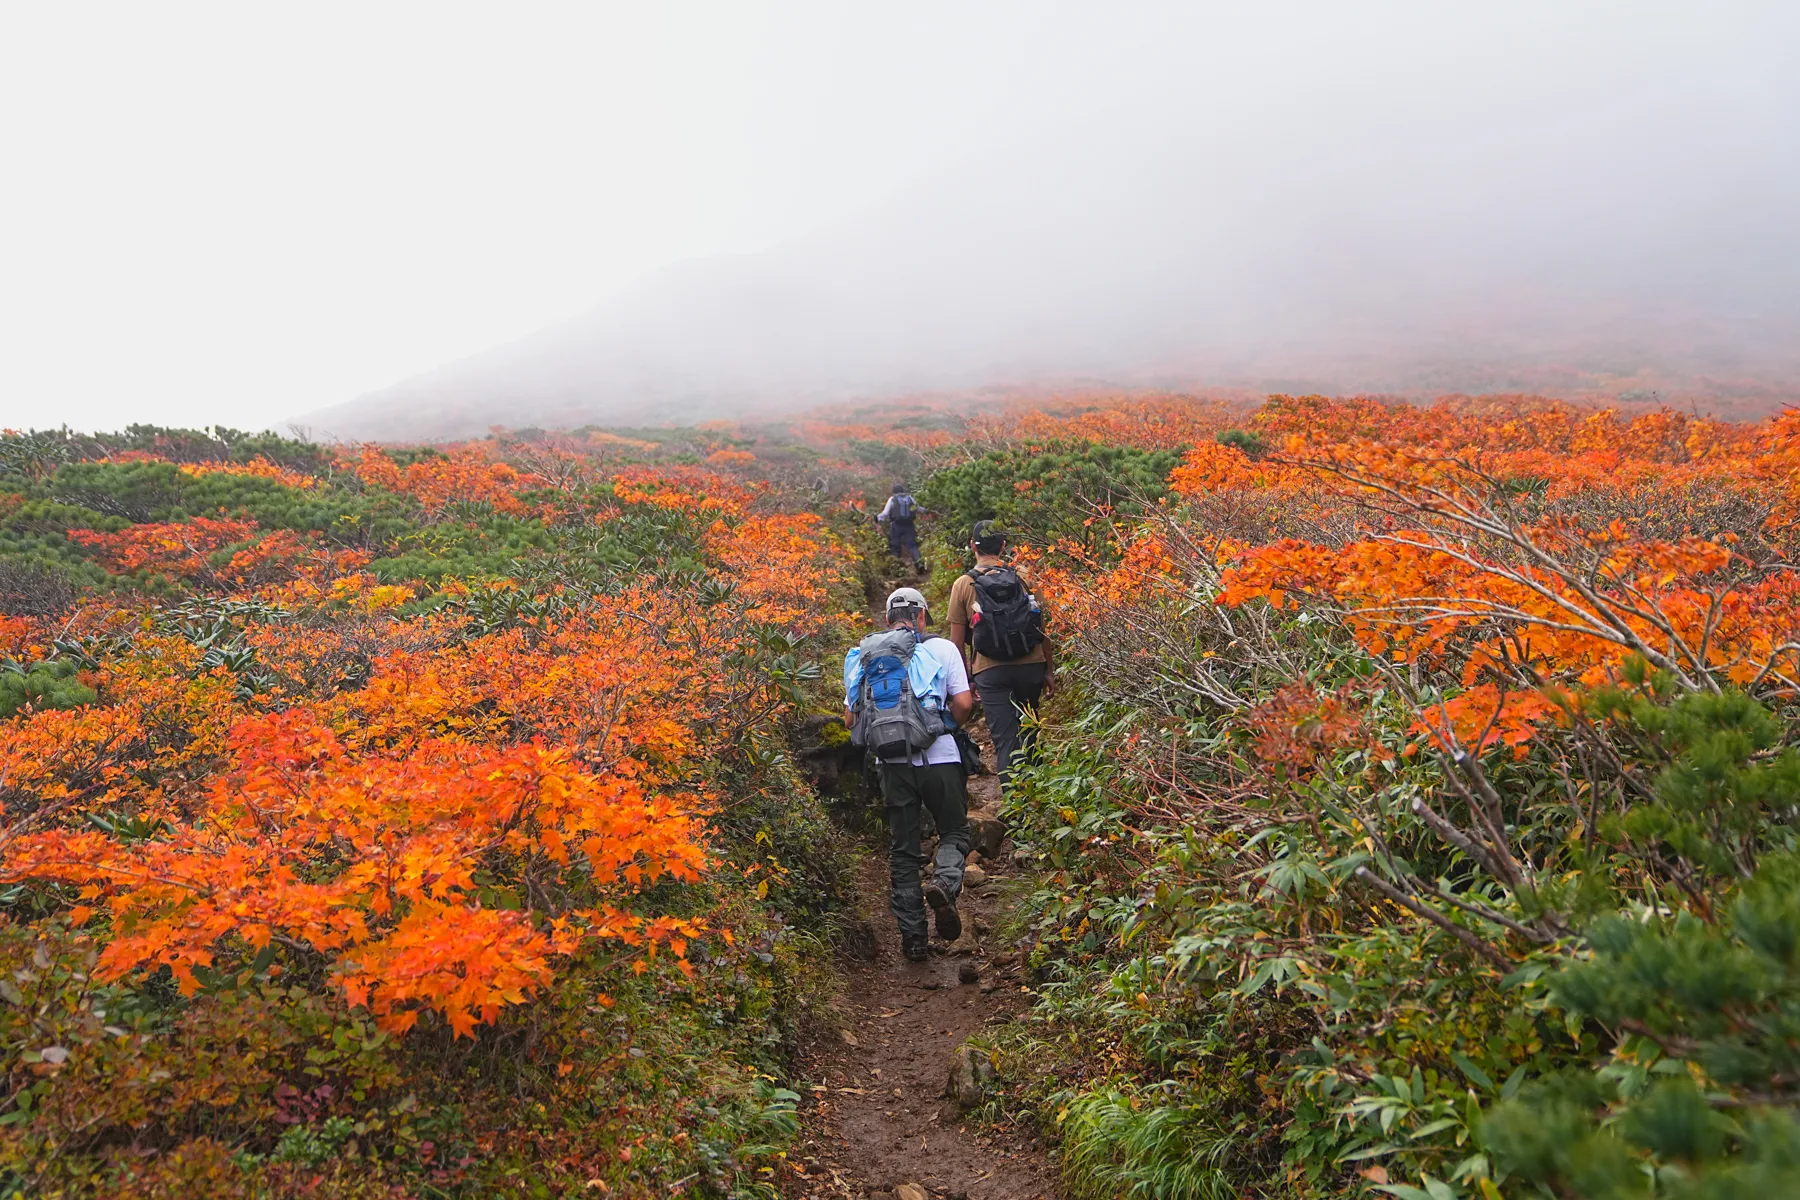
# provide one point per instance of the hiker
(905, 692)
(900, 514)
(994, 616)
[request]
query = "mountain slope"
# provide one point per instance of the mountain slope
(1352, 251)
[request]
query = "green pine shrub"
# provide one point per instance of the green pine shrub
(1248, 442)
(41, 685)
(1043, 493)
(1700, 991)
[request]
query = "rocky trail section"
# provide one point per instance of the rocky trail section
(890, 1110)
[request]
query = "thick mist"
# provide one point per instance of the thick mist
(1584, 199)
(1581, 199)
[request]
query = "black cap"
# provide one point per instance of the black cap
(986, 531)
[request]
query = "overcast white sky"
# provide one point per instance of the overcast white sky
(235, 212)
(232, 211)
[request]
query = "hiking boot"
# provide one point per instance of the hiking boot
(914, 947)
(949, 925)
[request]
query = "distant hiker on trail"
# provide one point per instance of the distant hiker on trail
(994, 614)
(904, 695)
(899, 514)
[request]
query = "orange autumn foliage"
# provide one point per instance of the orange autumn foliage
(190, 551)
(785, 567)
(1511, 546)
(256, 468)
(451, 760)
(1211, 467)
(178, 547)
(23, 637)
(464, 474)
(1152, 422)
(436, 818)
(1298, 727)
(1496, 423)
(413, 829)
(1407, 597)
(691, 489)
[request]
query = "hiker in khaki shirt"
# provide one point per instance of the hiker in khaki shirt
(1009, 687)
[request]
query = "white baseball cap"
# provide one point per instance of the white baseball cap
(905, 598)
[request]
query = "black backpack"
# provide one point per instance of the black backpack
(1005, 624)
(903, 508)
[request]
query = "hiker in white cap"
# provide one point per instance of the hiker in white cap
(905, 694)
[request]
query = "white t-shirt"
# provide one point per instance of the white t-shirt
(955, 682)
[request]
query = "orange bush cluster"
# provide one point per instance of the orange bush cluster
(303, 565)
(786, 568)
(694, 489)
(1408, 597)
(1084, 593)
(1211, 467)
(1153, 422)
(401, 919)
(174, 547)
(1498, 423)
(466, 473)
(1516, 545)
(159, 714)
(1558, 448)
(432, 815)
(256, 468)
(899, 431)
(1298, 726)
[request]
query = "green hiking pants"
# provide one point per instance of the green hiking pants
(908, 790)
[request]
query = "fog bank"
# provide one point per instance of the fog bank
(1569, 201)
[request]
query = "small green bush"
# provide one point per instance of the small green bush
(1250, 444)
(1043, 493)
(42, 685)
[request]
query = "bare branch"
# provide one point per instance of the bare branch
(1465, 936)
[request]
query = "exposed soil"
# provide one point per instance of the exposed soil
(879, 1115)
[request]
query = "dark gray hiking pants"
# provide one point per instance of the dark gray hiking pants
(1008, 692)
(908, 790)
(903, 541)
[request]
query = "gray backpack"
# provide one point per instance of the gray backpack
(892, 723)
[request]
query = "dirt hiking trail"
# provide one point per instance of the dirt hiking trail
(883, 1112)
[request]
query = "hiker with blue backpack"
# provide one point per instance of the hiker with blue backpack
(901, 514)
(905, 695)
(995, 618)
